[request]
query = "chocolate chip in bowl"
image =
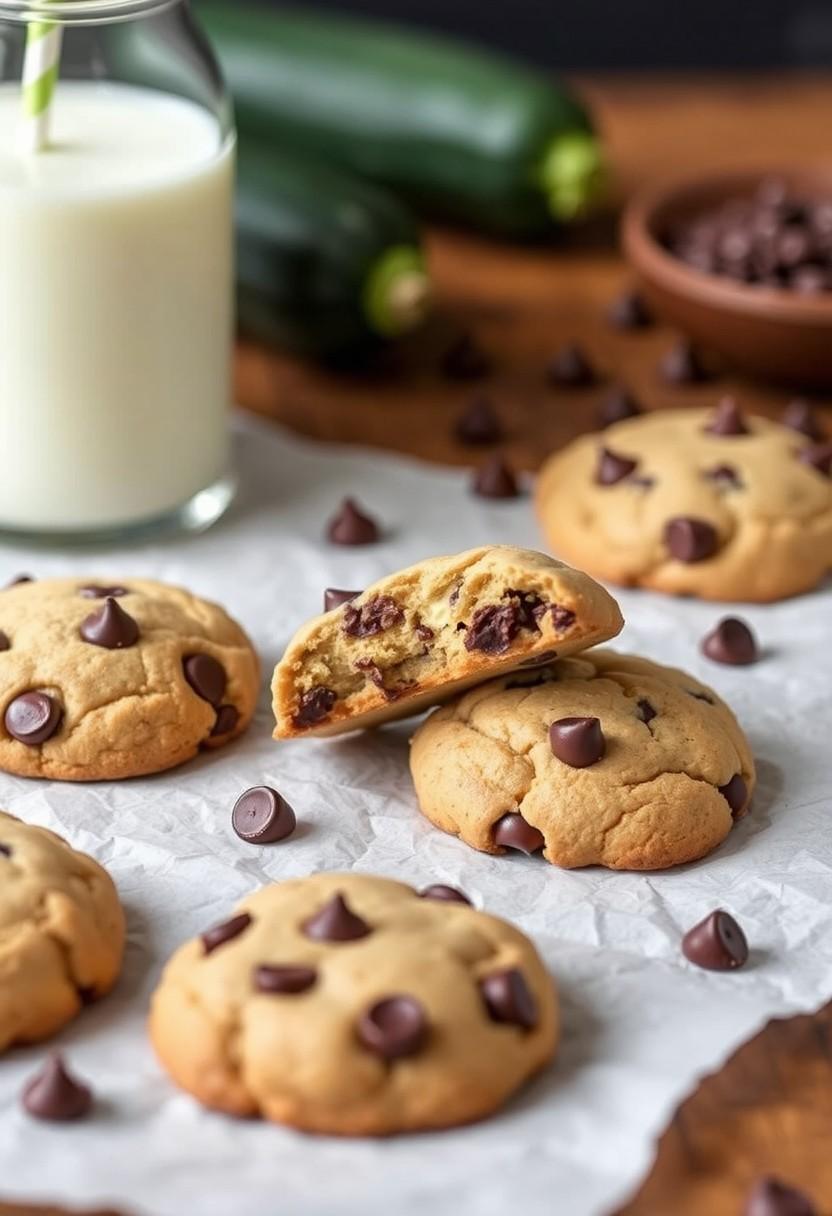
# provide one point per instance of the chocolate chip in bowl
(741, 262)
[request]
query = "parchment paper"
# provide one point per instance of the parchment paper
(641, 1025)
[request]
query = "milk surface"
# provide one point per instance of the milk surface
(115, 308)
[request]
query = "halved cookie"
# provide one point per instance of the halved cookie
(420, 635)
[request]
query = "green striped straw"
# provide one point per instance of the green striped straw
(41, 63)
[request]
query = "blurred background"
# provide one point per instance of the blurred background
(608, 34)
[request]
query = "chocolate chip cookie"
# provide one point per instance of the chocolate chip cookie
(101, 681)
(354, 1005)
(61, 932)
(601, 759)
(417, 636)
(707, 502)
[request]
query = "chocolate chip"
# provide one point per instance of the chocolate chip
(799, 416)
(206, 677)
(5, 644)
(578, 742)
(424, 632)
(218, 935)
(735, 793)
(465, 360)
(286, 980)
(629, 311)
(618, 405)
(724, 475)
(646, 712)
(336, 922)
(33, 717)
(448, 895)
(771, 1197)
(227, 718)
(55, 1095)
(562, 619)
(612, 468)
(478, 424)
(380, 613)
(513, 832)
(571, 368)
(683, 365)
(314, 705)
(509, 999)
(690, 540)
(717, 943)
(819, 457)
(262, 816)
(494, 479)
(334, 598)
(5, 851)
(731, 641)
(394, 1027)
(111, 627)
(493, 628)
(727, 419)
(95, 592)
(18, 579)
(351, 526)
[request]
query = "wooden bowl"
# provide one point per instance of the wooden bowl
(768, 331)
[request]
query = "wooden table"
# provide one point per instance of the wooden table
(770, 1109)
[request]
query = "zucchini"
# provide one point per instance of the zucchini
(462, 133)
(327, 264)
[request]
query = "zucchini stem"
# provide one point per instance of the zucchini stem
(397, 291)
(573, 174)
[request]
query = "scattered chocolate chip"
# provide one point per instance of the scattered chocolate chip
(513, 832)
(819, 457)
(448, 895)
(394, 1027)
(629, 311)
(18, 579)
(690, 540)
(5, 644)
(336, 922)
(55, 1095)
(5, 851)
(206, 677)
(391, 693)
(724, 475)
(465, 360)
(578, 742)
(731, 641)
(227, 718)
(494, 479)
(683, 365)
(717, 943)
(314, 705)
(424, 632)
(262, 816)
(218, 935)
(287, 980)
(562, 618)
(509, 999)
(735, 793)
(33, 717)
(612, 468)
(380, 613)
(799, 416)
(771, 1197)
(493, 628)
(478, 424)
(570, 368)
(95, 592)
(727, 419)
(111, 627)
(334, 598)
(618, 405)
(646, 712)
(351, 526)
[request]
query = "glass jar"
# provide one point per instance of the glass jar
(116, 269)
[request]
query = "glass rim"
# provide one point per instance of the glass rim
(80, 12)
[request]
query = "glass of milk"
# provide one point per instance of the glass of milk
(116, 273)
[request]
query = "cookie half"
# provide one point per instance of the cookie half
(106, 680)
(604, 759)
(421, 634)
(352, 1005)
(693, 502)
(61, 932)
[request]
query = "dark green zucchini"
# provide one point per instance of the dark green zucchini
(327, 264)
(460, 132)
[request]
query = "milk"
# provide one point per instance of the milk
(115, 309)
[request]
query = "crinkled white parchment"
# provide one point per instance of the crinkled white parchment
(641, 1025)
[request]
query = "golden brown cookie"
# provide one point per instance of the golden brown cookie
(693, 502)
(61, 932)
(352, 1005)
(105, 681)
(603, 759)
(421, 634)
